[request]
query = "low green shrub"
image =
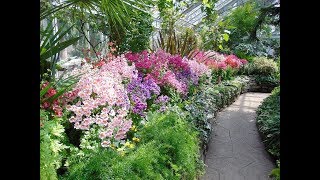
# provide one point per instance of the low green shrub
(267, 80)
(262, 66)
(168, 150)
(268, 121)
(52, 146)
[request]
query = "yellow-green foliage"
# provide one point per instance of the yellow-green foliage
(51, 147)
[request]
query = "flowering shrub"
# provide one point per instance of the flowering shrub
(163, 68)
(215, 60)
(198, 69)
(103, 100)
(139, 92)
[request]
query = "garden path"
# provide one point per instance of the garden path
(236, 151)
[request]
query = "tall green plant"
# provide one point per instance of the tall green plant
(182, 44)
(244, 19)
(51, 43)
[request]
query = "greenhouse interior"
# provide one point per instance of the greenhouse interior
(160, 89)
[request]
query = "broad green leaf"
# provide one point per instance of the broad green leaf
(220, 47)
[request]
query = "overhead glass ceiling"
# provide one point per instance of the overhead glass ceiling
(193, 15)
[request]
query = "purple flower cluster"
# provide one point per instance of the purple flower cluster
(140, 91)
(162, 101)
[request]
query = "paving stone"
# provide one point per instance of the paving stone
(220, 149)
(219, 163)
(211, 174)
(221, 133)
(236, 151)
(256, 171)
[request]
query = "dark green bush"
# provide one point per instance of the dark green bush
(268, 121)
(268, 80)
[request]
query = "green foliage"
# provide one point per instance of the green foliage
(261, 66)
(51, 43)
(175, 43)
(177, 142)
(275, 173)
(137, 38)
(268, 121)
(52, 146)
(266, 80)
(251, 32)
(243, 21)
(168, 150)
(214, 36)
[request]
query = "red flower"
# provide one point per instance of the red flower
(51, 92)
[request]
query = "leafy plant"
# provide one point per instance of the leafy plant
(268, 121)
(214, 36)
(242, 21)
(268, 80)
(137, 38)
(262, 66)
(52, 146)
(275, 173)
(168, 150)
(174, 43)
(51, 43)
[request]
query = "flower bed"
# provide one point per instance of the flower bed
(138, 115)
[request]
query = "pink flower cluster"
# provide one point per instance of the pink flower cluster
(161, 67)
(103, 100)
(198, 69)
(214, 60)
(119, 66)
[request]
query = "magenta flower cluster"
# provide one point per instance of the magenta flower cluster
(163, 68)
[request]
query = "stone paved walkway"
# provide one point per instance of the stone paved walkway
(236, 151)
